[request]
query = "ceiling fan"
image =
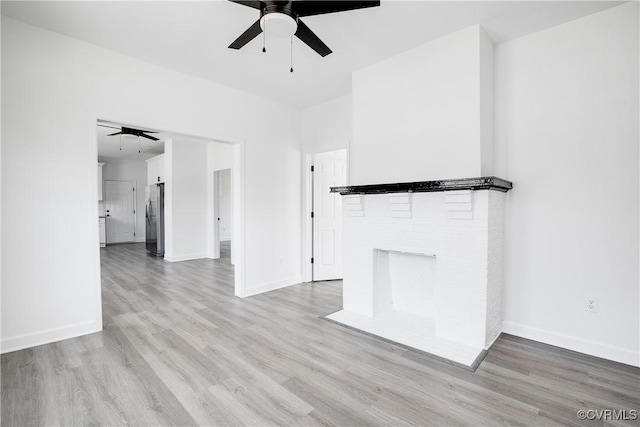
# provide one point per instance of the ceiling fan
(282, 18)
(132, 131)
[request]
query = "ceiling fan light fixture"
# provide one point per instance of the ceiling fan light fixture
(278, 24)
(283, 19)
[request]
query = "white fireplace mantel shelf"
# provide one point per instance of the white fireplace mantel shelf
(479, 183)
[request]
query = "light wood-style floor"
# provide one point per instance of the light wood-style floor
(179, 349)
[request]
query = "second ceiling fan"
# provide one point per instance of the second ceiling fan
(134, 132)
(282, 18)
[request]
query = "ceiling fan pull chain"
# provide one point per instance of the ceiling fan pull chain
(291, 69)
(120, 142)
(138, 144)
(264, 37)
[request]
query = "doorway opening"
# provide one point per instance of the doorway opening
(137, 159)
(224, 203)
(327, 169)
(223, 213)
(123, 153)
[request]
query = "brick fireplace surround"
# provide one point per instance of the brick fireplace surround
(423, 264)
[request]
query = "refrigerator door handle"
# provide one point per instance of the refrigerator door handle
(148, 212)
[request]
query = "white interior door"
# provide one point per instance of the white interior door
(330, 170)
(120, 211)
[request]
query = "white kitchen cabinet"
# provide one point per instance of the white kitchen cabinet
(103, 232)
(100, 165)
(155, 170)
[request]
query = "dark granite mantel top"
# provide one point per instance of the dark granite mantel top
(481, 183)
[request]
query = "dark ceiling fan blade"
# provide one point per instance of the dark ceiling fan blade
(305, 34)
(251, 33)
(250, 3)
(153, 138)
(117, 133)
(132, 131)
(311, 7)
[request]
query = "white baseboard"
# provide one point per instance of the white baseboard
(272, 286)
(186, 257)
(592, 348)
(20, 342)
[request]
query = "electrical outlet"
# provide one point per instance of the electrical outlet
(592, 305)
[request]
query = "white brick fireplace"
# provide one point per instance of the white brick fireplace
(424, 268)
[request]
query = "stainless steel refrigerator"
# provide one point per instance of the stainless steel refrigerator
(154, 217)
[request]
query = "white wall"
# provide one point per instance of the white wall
(487, 119)
(417, 116)
(327, 126)
(54, 88)
(186, 199)
(219, 156)
(567, 136)
(1, 199)
(168, 199)
(130, 170)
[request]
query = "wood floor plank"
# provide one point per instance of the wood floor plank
(178, 348)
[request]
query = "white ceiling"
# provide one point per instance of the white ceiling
(192, 37)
